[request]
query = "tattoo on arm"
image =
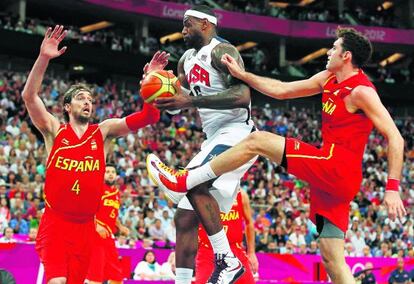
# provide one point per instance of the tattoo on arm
(237, 94)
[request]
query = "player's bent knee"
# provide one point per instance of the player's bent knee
(253, 142)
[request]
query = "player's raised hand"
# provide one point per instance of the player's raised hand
(50, 44)
(394, 204)
(158, 62)
(233, 66)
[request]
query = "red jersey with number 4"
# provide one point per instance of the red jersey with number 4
(345, 129)
(232, 224)
(75, 173)
(109, 208)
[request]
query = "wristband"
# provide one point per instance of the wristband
(148, 115)
(393, 184)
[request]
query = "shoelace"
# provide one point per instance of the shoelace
(172, 171)
(220, 265)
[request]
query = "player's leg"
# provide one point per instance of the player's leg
(113, 269)
(186, 222)
(247, 277)
(260, 143)
(332, 244)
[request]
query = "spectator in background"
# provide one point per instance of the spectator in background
(399, 275)
(366, 276)
(7, 236)
(168, 268)
(148, 268)
(18, 224)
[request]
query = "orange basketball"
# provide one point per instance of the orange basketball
(159, 84)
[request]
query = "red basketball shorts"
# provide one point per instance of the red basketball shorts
(104, 264)
(334, 174)
(64, 247)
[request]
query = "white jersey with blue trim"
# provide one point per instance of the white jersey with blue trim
(205, 80)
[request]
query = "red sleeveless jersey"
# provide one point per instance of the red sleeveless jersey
(75, 173)
(349, 130)
(232, 224)
(109, 208)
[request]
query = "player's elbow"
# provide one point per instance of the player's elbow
(243, 100)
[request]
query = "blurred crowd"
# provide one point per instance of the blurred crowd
(260, 58)
(317, 13)
(280, 201)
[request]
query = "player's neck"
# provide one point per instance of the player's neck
(206, 40)
(79, 128)
(346, 72)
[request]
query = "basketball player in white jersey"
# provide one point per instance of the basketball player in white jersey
(223, 103)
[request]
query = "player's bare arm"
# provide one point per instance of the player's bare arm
(366, 99)
(47, 124)
(236, 96)
(275, 88)
(250, 234)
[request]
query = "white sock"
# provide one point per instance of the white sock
(183, 275)
(220, 243)
(200, 175)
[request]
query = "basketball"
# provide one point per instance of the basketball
(158, 84)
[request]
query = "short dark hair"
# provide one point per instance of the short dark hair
(110, 165)
(70, 93)
(205, 9)
(358, 44)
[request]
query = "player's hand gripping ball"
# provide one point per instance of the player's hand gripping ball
(158, 84)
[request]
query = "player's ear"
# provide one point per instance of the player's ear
(66, 107)
(347, 55)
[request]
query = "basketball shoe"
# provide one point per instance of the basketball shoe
(171, 181)
(227, 269)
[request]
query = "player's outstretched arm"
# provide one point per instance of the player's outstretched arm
(250, 234)
(275, 88)
(42, 119)
(116, 127)
(367, 99)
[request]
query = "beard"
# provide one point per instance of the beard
(110, 182)
(194, 41)
(82, 119)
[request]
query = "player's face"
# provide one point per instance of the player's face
(81, 106)
(192, 34)
(335, 56)
(110, 175)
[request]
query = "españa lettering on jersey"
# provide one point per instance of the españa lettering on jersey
(232, 223)
(75, 173)
(109, 208)
(349, 130)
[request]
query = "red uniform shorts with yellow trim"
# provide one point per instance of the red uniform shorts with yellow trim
(205, 264)
(104, 264)
(334, 174)
(64, 247)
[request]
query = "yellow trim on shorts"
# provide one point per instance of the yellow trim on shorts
(313, 157)
(72, 146)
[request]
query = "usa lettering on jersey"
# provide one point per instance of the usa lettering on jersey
(198, 74)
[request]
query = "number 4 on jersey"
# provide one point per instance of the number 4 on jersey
(76, 187)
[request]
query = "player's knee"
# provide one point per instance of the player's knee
(253, 141)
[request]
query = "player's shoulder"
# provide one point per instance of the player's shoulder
(187, 54)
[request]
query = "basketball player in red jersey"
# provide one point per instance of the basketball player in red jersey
(234, 226)
(350, 109)
(75, 167)
(104, 263)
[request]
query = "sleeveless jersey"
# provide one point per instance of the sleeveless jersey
(205, 80)
(349, 130)
(232, 223)
(109, 208)
(75, 173)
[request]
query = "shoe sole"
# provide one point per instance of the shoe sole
(167, 192)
